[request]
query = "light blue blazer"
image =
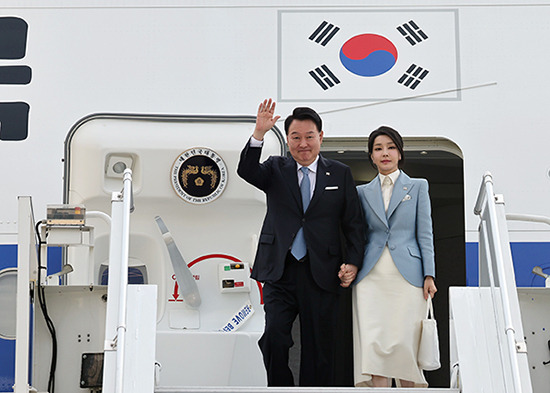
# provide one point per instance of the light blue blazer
(406, 228)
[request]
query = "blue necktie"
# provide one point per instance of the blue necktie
(299, 248)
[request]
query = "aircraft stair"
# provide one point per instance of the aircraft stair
(488, 344)
(299, 389)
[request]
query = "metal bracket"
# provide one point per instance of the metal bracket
(91, 370)
(110, 345)
(521, 347)
(116, 196)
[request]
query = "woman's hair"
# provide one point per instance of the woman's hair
(394, 136)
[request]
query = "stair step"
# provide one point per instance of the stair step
(260, 389)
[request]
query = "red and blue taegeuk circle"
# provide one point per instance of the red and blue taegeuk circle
(368, 55)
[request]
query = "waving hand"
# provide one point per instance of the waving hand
(265, 119)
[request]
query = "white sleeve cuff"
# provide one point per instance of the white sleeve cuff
(255, 143)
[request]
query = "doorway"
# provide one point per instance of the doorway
(440, 161)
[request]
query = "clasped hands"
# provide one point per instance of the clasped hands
(347, 274)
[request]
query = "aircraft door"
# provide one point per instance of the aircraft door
(194, 218)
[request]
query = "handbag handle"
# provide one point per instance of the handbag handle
(429, 308)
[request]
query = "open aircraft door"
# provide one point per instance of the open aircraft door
(193, 214)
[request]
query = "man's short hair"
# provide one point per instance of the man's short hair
(304, 113)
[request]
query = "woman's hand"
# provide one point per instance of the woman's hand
(347, 274)
(429, 287)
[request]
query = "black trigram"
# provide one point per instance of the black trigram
(324, 77)
(412, 32)
(413, 76)
(324, 33)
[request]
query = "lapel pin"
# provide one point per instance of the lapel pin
(328, 173)
(405, 188)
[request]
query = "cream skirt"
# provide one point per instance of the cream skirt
(387, 311)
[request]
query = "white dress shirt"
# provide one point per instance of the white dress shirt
(387, 188)
(312, 173)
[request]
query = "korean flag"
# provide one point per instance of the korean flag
(367, 55)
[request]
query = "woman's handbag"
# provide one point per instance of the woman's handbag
(428, 351)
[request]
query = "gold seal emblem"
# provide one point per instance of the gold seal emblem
(199, 175)
(199, 182)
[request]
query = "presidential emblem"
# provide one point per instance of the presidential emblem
(199, 175)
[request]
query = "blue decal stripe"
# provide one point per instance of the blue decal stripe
(526, 255)
(8, 259)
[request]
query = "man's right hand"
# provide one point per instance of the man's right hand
(265, 119)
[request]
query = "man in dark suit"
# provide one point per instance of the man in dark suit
(311, 201)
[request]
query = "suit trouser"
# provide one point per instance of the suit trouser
(296, 293)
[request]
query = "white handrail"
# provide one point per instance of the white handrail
(528, 218)
(26, 262)
(117, 292)
(486, 200)
(99, 214)
(482, 193)
(127, 201)
(499, 262)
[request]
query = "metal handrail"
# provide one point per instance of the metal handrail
(486, 199)
(26, 262)
(528, 218)
(481, 196)
(128, 207)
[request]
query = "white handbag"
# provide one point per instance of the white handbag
(428, 351)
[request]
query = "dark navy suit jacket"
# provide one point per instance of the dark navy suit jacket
(334, 210)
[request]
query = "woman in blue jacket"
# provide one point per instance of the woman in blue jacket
(390, 292)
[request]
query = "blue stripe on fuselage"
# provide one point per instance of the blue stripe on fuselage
(525, 255)
(8, 258)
